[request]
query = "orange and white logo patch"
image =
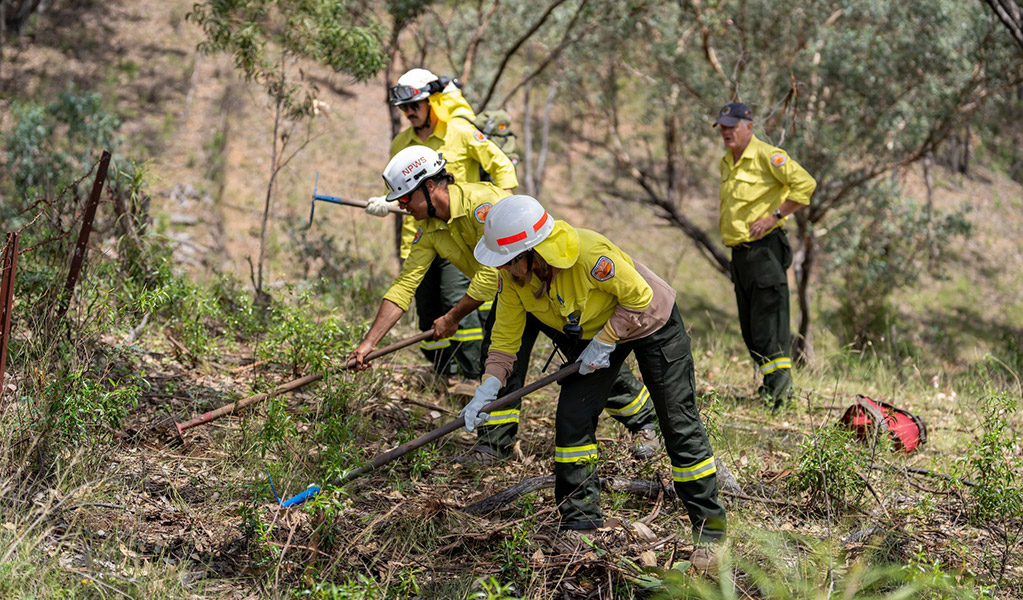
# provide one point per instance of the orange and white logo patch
(778, 159)
(482, 211)
(419, 234)
(479, 136)
(604, 269)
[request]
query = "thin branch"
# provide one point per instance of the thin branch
(474, 41)
(515, 48)
(555, 53)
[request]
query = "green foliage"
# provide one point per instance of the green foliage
(278, 426)
(50, 144)
(494, 590)
(998, 495)
(83, 409)
(826, 470)
(513, 556)
(264, 35)
(882, 245)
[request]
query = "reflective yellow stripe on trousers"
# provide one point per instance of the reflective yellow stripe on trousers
(503, 417)
(473, 334)
(571, 454)
(468, 335)
(779, 363)
(697, 471)
(632, 407)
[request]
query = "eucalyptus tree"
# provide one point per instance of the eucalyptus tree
(856, 91)
(266, 39)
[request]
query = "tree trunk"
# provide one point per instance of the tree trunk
(527, 139)
(390, 76)
(802, 346)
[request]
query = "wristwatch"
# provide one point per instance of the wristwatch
(777, 214)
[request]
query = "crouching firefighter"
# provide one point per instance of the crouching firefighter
(449, 218)
(550, 275)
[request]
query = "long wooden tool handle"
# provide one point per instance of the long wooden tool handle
(443, 430)
(392, 206)
(294, 384)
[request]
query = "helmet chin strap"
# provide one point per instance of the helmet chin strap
(430, 210)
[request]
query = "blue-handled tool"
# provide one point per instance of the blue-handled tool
(434, 435)
(297, 499)
(342, 201)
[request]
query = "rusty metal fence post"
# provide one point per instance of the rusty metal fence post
(10, 263)
(83, 235)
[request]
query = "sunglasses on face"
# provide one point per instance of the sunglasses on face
(411, 107)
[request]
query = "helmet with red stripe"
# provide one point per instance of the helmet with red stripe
(514, 225)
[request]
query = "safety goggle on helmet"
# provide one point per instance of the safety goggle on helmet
(415, 85)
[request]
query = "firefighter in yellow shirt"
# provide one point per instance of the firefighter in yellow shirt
(554, 277)
(449, 218)
(437, 113)
(760, 187)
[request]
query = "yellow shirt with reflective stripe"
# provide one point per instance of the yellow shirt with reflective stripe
(601, 278)
(756, 185)
(453, 240)
(465, 149)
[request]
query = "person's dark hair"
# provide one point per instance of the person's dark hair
(443, 178)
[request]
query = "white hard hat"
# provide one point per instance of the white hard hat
(410, 168)
(413, 86)
(514, 225)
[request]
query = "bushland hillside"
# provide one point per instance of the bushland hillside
(204, 282)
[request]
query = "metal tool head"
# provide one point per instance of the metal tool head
(312, 206)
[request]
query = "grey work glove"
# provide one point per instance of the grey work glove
(486, 393)
(378, 206)
(597, 355)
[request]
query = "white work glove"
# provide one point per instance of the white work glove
(378, 206)
(597, 355)
(486, 393)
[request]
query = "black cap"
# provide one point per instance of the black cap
(731, 114)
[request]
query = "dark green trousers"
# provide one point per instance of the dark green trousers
(629, 403)
(442, 287)
(762, 295)
(666, 362)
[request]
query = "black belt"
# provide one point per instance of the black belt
(748, 245)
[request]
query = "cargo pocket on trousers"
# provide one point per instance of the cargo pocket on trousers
(676, 348)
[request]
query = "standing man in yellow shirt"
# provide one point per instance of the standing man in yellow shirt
(760, 187)
(437, 113)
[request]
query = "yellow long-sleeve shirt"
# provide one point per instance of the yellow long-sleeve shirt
(754, 186)
(453, 240)
(601, 278)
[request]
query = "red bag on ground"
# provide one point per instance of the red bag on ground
(867, 417)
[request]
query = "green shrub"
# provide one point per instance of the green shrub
(826, 470)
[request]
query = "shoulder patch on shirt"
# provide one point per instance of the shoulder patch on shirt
(604, 269)
(419, 234)
(476, 133)
(500, 283)
(481, 211)
(778, 159)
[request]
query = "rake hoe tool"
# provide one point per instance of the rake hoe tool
(438, 433)
(342, 201)
(292, 385)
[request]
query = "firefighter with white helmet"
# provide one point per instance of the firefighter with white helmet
(432, 105)
(449, 218)
(551, 274)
